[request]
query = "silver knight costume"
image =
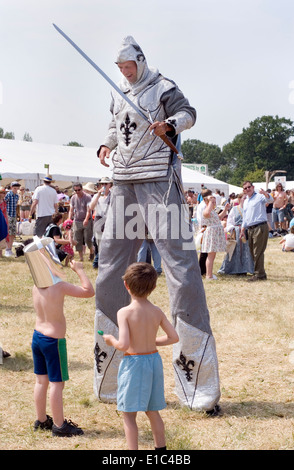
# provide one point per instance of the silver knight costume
(146, 176)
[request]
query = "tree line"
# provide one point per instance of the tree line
(267, 144)
(28, 138)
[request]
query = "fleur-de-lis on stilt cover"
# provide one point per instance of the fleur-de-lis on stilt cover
(99, 357)
(186, 366)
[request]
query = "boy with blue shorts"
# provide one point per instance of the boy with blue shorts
(140, 374)
(49, 350)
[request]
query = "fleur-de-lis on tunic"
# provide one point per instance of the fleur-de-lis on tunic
(127, 128)
(186, 366)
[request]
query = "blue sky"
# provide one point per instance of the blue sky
(233, 59)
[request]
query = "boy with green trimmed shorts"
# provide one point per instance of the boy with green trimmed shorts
(49, 351)
(140, 375)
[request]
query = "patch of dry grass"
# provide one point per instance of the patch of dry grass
(253, 328)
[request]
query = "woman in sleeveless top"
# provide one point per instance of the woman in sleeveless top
(214, 239)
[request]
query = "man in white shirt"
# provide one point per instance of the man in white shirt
(255, 222)
(217, 197)
(45, 203)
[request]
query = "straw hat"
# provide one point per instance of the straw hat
(90, 187)
(105, 180)
(49, 179)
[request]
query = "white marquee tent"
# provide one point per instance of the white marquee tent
(25, 162)
(193, 179)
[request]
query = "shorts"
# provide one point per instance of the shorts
(83, 235)
(41, 225)
(12, 225)
(140, 383)
(50, 357)
(278, 215)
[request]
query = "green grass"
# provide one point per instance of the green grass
(254, 332)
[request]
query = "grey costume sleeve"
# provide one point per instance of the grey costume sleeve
(181, 115)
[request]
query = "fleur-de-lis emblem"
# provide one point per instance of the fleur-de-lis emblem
(186, 366)
(127, 128)
(99, 357)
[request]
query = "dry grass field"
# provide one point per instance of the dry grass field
(254, 331)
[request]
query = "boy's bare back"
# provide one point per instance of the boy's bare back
(142, 319)
(138, 328)
(49, 301)
(138, 323)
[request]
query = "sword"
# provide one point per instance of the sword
(117, 89)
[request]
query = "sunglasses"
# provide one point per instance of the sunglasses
(247, 187)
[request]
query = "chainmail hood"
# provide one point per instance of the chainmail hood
(130, 50)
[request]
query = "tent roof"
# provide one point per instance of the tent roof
(25, 161)
(193, 179)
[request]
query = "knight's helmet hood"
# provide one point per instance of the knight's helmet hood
(43, 262)
(130, 50)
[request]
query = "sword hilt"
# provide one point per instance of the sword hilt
(171, 146)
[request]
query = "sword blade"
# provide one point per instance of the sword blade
(102, 73)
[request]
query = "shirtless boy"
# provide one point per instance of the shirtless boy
(49, 350)
(140, 375)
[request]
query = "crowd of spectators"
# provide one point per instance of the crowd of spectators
(237, 256)
(67, 215)
(77, 215)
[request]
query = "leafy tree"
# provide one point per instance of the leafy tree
(195, 151)
(225, 173)
(74, 144)
(27, 137)
(6, 135)
(257, 175)
(265, 145)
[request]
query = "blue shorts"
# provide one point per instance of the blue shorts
(140, 383)
(50, 357)
(278, 215)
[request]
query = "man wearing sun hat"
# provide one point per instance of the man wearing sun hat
(100, 204)
(45, 203)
